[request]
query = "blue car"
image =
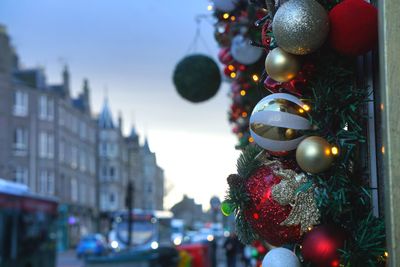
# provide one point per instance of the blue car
(93, 244)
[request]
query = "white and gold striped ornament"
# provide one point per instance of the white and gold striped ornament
(276, 121)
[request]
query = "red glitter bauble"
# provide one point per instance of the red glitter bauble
(224, 55)
(354, 27)
(265, 214)
(321, 244)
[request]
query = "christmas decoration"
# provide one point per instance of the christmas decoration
(321, 245)
(300, 26)
(304, 209)
(354, 27)
(276, 121)
(271, 200)
(281, 66)
(243, 52)
(314, 154)
(225, 5)
(197, 78)
(234, 30)
(265, 214)
(226, 208)
(280, 257)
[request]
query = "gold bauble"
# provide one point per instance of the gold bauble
(314, 155)
(281, 66)
(290, 133)
(300, 26)
(277, 122)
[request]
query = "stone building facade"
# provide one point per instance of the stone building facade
(50, 141)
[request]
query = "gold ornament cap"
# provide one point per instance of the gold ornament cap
(314, 155)
(282, 66)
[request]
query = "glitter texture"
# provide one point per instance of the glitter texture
(266, 215)
(300, 26)
(304, 208)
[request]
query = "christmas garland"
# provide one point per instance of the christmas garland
(243, 63)
(303, 187)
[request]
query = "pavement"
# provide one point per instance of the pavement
(68, 259)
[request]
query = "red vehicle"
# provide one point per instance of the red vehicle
(27, 227)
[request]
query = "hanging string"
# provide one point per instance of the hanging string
(198, 37)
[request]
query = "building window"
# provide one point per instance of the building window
(150, 188)
(43, 182)
(92, 165)
(50, 109)
(83, 130)
(50, 146)
(112, 150)
(103, 149)
(74, 157)
(104, 172)
(20, 141)
(112, 197)
(21, 175)
(43, 107)
(92, 196)
(112, 173)
(61, 115)
(75, 124)
(74, 189)
(46, 108)
(83, 193)
(50, 183)
(46, 145)
(82, 161)
(62, 151)
(20, 103)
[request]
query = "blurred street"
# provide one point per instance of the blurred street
(68, 259)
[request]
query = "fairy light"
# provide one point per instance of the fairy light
(231, 67)
(301, 110)
(335, 263)
(209, 7)
(386, 254)
(225, 15)
(251, 139)
(255, 77)
(233, 75)
(306, 107)
(244, 114)
(327, 151)
(383, 150)
(240, 135)
(233, 18)
(335, 150)
(242, 92)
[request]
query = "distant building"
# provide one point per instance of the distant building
(120, 160)
(48, 141)
(112, 163)
(188, 211)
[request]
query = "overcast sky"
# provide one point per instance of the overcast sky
(131, 48)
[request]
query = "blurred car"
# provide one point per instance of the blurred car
(204, 235)
(93, 244)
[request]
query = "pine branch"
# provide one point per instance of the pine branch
(248, 161)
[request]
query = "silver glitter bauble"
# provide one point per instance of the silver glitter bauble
(300, 26)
